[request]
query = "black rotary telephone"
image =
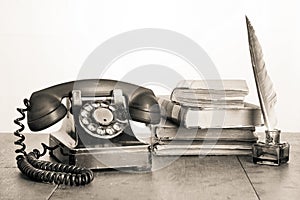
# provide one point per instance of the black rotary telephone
(96, 125)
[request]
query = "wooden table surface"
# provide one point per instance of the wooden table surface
(211, 177)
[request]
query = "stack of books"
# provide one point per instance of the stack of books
(207, 118)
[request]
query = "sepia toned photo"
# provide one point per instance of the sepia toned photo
(149, 99)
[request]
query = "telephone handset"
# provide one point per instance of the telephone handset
(47, 109)
(100, 109)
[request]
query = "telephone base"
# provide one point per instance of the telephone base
(126, 158)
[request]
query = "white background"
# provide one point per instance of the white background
(43, 43)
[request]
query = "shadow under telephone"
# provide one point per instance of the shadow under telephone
(96, 131)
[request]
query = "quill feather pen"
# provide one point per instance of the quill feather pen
(265, 90)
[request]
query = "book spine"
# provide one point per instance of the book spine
(171, 110)
(175, 150)
(242, 135)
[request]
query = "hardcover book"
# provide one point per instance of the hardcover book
(201, 150)
(167, 131)
(192, 117)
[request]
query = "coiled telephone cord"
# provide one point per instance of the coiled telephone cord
(45, 171)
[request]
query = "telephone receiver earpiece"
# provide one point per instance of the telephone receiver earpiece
(46, 106)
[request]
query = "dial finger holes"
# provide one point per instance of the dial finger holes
(102, 119)
(88, 107)
(92, 127)
(86, 121)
